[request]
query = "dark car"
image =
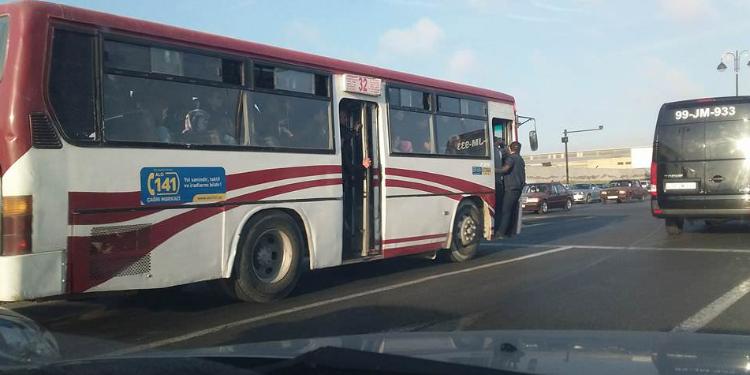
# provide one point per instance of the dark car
(700, 163)
(542, 197)
(623, 191)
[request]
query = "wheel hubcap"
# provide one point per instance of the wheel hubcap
(468, 230)
(272, 255)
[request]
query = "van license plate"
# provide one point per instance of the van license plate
(680, 186)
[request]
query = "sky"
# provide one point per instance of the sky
(571, 64)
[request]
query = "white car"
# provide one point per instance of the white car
(585, 193)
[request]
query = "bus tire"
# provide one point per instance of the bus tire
(268, 261)
(466, 232)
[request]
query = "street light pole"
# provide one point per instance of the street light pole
(736, 56)
(565, 141)
(567, 171)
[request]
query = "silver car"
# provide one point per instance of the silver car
(585, 193)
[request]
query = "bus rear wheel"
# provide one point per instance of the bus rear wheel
(467, 230)
(268, 261)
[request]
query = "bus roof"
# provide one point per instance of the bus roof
(184, 36)
(703, 101)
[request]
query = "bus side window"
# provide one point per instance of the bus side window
(71, 83)
(289, 122)
(410, 132)
(151, 110)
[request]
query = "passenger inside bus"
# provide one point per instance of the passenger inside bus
(202, 128)
(402, 145)
(451, 147)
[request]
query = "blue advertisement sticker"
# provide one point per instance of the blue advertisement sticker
(477, 171)
(182, 185)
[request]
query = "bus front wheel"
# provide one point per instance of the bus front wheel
(268, 261)
(467, 230)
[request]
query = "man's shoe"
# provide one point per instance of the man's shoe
(498, 236)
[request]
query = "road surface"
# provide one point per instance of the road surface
(597, 267)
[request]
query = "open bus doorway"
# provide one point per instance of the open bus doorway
(360, 166)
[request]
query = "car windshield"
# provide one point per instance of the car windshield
(621, 183)
(535, 188)
(543, 186)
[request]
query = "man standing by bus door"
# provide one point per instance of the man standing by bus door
(514, 179)
(500, 151)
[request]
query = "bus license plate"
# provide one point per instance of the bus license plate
(680, 186)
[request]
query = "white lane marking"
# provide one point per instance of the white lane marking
(634, 248)
(547, 222)
(714, 309)
(208, 331)
(536, 224)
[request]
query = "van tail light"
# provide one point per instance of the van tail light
(16, 225)
(652, 182)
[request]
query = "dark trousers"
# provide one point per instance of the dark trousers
(499, 192)
(509, 209)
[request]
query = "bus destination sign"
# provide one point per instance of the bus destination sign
(363, 84)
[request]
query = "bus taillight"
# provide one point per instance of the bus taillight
(16, 229)
(652, 182)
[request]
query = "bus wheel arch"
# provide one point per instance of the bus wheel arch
(269, 251)
(468, 210)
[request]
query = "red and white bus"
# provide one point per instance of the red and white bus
(137, 155)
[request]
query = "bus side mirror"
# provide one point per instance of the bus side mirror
(533, 140)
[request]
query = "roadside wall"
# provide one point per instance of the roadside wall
(596, 175)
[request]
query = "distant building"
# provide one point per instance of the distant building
(624, 158)
(590, 166)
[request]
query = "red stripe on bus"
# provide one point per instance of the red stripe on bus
(125, 200)
(456, 183)
(101, 200)
(416, 249)
(80, 247)
(109, 217)
(415, 238)
(452, 182)
(422, 187)
(241, 180)
(488, 197)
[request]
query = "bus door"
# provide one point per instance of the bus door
(360, 168)
(503, 128)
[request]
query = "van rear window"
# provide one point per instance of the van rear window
(3, 43)
(681, 142)
(704, 141)
(728, 140)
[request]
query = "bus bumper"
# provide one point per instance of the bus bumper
(24, 277)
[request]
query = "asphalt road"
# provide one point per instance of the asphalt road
(597, 267)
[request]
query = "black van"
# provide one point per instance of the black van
(701, 161)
